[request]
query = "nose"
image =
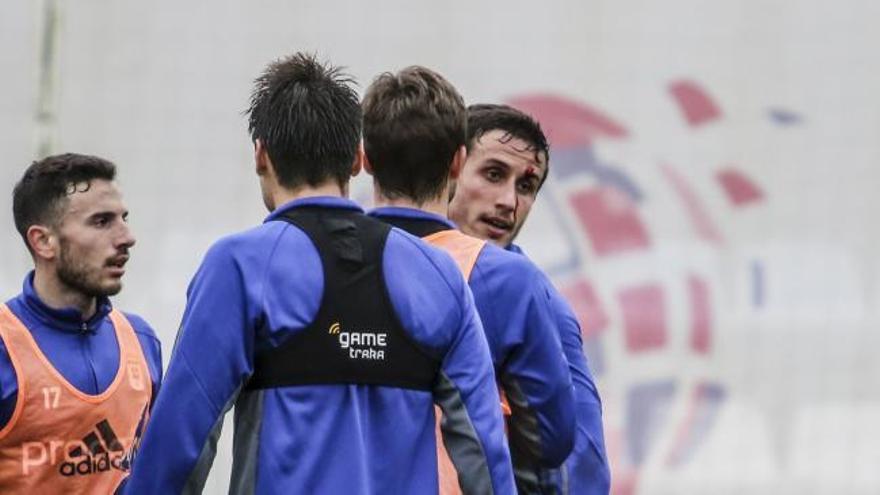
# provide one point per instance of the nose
(507, 198)
(126, 238)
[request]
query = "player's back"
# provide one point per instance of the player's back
(522, 336)
(348, 341)
(367, 425)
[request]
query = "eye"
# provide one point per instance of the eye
(527, 187)
(494, 174)
(102, 221)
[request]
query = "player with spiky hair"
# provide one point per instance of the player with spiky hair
(332, 334)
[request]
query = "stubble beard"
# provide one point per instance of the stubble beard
(77, 276)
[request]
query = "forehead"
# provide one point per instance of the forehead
(85, 198)
(497, 145)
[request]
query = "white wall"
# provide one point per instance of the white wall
(159, 87)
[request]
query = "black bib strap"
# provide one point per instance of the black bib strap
(356, 337)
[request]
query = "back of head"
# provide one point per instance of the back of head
(485, 117)
(41, 195)
(308, 118)
(414, 123)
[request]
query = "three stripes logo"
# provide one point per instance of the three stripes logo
(99, 451)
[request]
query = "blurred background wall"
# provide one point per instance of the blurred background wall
(709, 211)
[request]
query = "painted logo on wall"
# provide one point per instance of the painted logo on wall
(645, 312)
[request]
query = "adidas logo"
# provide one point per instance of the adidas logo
(99, 451)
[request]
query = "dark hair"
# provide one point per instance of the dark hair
(485, 117)
(308, 118)
(414, 123)
(42, 193)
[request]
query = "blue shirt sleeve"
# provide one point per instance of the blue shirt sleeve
(8, 386)
(210, 361)
(586, 470)
(468, 369)
(472, 425)
(516, 312)
(587, 467)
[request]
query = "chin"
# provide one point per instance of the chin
(111, 289)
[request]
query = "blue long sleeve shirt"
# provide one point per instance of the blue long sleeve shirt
(256, 289)
(520, 327)
(586, 470)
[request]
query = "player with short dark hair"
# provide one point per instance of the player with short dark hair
(77, 377)
(332, 334)
(508, 161)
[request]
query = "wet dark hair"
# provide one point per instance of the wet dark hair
(414, 123)
(42, 193)
(308, 118)
(486, 117)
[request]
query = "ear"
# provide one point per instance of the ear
(42, 241)
(261, 158)
(360, 161)
(457, 163)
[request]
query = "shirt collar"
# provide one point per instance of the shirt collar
(322, 201)
(66, 319)
(411, 213)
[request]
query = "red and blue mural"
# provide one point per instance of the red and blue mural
(600, 210)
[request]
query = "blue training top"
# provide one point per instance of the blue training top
(256, 289)
(586, 470)
(521, 330)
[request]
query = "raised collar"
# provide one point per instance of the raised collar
(63, 319)
(322, 201)
(411, 214)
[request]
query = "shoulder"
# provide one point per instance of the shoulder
(140, 326)
(256, 240)
(246, 254)
(150, 343)
(420, 259)
(144, 333)
(426, 289)
(507, 271)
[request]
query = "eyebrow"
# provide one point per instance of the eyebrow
(531, 174)
(496, 162)
(108, 213)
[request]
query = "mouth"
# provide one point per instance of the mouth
(116, 264)
(497, 227)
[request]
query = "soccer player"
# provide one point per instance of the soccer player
(414, 139)
(77, 377)
(507, 162)
(331, 333)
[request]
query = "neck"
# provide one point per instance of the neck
(437, 205)
(282, 195)
(58, 295)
